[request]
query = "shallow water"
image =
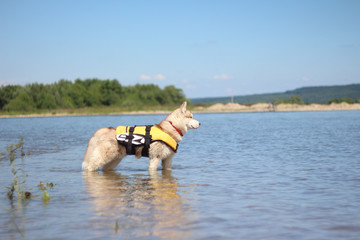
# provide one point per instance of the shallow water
(239, 176)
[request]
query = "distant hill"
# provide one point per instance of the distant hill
(307, 94)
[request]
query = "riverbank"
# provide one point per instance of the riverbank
(216, 108)
(268, 107)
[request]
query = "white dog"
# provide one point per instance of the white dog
(108, 146)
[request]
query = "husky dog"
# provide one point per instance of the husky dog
(104, 151)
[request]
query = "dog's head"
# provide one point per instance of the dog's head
(182, 119)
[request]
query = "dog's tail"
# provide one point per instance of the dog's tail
(84, 166)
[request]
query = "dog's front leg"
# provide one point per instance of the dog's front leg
(166, 163)
(153, 164)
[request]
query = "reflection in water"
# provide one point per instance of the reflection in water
(140, 205)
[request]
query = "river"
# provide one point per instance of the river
(289, 175)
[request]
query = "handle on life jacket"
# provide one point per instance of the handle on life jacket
(129, 148)
(145, 151)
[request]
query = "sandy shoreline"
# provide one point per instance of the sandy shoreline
(268, 107)
(218, 108)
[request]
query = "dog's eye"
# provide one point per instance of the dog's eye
(188, 115)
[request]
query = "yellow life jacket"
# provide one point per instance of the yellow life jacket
(131, 137)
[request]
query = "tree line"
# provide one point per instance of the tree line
(296, 99)
(66, 94)
(326, 94)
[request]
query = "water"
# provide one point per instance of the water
(239, 176)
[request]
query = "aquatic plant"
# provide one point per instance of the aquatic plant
(18, 184)
(17, 188)
(45, 188)
(17, 192)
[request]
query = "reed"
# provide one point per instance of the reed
(17, 193)
(18, 186)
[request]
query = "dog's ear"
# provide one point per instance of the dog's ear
(183, 107)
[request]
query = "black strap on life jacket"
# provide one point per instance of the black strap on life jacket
(145, 151)
(129, 149)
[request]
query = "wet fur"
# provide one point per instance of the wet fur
(104, 152)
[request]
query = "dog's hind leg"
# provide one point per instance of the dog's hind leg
(103, 151)
(111, 165)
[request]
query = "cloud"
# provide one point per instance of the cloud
(222, 77)
(154, 77)
(159, 77)
(145, 77)
(306, 79)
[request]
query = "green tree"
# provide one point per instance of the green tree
(77, 94)
(293, 99)
(7, 93)
(296, 99)
(347, 100)
(334, 100)
(63, 88)
(86, 93)
(43, 95)
(148, 94)
(110, 92)
(22, 102)
(130, 97)
(173, 95)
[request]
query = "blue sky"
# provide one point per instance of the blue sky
(207, 48)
